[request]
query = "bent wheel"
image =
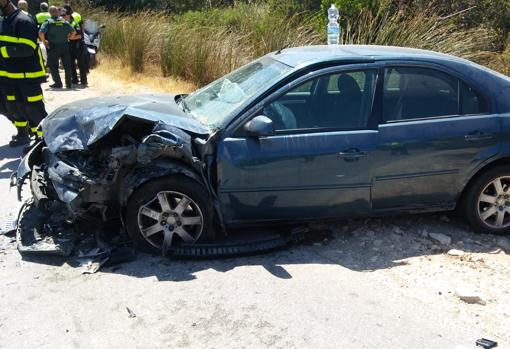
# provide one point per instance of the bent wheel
(169, 211)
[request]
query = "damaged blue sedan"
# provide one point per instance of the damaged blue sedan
(301, 134)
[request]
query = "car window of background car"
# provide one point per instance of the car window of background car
(416, 93)
(212, 104)
(345, 107)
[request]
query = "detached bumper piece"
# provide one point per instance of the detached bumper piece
(42, 232)
(240, 244)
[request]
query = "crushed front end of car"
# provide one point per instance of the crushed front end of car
(95, 153)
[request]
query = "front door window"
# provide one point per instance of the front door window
(341, 101)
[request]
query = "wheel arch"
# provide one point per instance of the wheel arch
(477, 173)
(156, 169)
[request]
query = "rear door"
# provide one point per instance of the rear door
(435, 129)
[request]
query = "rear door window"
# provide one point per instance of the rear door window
(417, 93)
(472, 102)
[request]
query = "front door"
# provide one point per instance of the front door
(318, 163)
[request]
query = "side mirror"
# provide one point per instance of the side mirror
(259, 126)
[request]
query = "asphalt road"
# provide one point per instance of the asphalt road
(365, 287)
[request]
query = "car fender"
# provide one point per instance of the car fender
(25, 167)
(156, 169)
(488, 163)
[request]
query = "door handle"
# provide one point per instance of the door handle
(353, 154)
(477, 136)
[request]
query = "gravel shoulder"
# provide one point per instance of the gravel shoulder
(373, 283)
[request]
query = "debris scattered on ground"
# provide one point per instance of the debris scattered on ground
(90, 266)
(456, 253)
(9, 222)
(443, 239)
(470, 296)
(131, 314)
(486, 343)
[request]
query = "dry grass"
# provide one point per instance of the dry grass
(112, 77)
(500, 62)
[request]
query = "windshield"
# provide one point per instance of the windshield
(213, 103)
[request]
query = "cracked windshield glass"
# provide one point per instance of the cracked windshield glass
(212, 104)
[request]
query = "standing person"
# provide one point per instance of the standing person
(21, 73)
(44, 15)
(77, 48)
(55, 33)
(23, 6)
(76, 16)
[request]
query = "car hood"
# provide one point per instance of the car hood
(77, 125)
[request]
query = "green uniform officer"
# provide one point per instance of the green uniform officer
(55, 33)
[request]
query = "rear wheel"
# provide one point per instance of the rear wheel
(487, 205)
(169, 211)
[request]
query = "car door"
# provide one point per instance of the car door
(435, 129)
(316, 164)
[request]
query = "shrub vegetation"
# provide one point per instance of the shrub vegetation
(202, 40)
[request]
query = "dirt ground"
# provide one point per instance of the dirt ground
(374, 283)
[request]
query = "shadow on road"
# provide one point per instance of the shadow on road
(359, 245)
(11, 153)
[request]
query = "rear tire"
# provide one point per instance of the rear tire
(487, 202)
(168, 211)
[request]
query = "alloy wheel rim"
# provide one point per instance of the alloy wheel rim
(168, 218)
(494, 203)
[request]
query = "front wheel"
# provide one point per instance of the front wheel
(92, 61)
(487, 205)
(169, 211)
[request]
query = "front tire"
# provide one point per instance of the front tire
(487, 204)
(168, 211)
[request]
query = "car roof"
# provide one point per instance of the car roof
(305, 55)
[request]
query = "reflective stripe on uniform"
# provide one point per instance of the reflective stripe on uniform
(35, 98)
(20, 123)
(16, 40)
(3, 52)
(36, 131)
(29, 75)
(6, 74)
(32, 75)
(11, 98)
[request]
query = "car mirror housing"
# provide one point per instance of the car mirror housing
(259, 126)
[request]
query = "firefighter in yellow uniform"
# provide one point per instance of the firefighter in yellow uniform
(21, 73)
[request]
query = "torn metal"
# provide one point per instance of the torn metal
(96, 152)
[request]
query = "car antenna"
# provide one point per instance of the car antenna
(283, 48)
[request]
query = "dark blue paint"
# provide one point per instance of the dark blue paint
(412, 165)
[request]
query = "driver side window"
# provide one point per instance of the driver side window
(340, 101)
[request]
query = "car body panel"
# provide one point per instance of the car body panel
(281, 177)
(78, 125)
(423, 163)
